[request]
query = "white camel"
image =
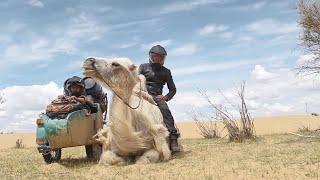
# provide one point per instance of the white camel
(135, 126)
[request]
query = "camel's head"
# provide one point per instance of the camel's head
(117, 74)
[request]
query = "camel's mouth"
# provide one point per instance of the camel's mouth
(89, 71)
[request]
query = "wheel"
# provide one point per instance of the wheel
(89, 151)
(52, 156)
(93, 151)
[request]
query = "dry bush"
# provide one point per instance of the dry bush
(304, 129)
(246, 120)
(19, 144)
(208, 129)
(236, 132)
(309, 20)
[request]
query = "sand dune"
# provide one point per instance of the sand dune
(264, 125)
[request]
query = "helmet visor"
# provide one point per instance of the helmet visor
(157, 58)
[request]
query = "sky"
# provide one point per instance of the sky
(212, 45)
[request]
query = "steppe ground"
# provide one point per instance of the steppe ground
(273, 155)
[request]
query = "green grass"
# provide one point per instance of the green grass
(269, 157)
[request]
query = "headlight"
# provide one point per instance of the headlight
(39, 121)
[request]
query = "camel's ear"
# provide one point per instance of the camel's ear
(132, 67)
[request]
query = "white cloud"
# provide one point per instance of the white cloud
(271, 27)
(218, 66)
(103, 9)
(305, 59)
(85, 27)
(259, 5)
(186, 5)
(276, 107)
(142, 22)
(284, 93)
(165, 43)
(41, 49)
(212, 28)
(227, 35)
(259, 73)
(251, 6)
(281, 92)
(24, 103)
(187, 98)
(126, 45)
(36, 3)
(66, 40)
(65, 37)
(187, 49)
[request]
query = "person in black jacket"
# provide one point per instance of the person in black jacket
(75, 88)
(156, 77)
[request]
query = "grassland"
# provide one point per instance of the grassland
(189, 130)
(278, 156)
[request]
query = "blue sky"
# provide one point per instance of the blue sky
(211, 44)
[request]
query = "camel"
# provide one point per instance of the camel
(135, 128)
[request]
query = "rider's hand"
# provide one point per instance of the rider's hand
(61, 97)
(162, 97)
(72, 97)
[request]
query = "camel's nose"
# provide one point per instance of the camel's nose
(90, 62)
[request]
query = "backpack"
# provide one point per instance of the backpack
(94, 89)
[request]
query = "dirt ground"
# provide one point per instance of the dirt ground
(263, 125)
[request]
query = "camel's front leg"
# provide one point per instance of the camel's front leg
(150, 156)
(161, 143)
(110, 158)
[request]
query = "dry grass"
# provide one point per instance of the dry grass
(208, 129)
(304, 129)
(269, 157)
(189, 130)
(19, 144)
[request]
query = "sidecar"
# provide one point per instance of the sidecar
(76, 129)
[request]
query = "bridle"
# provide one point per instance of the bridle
(126, 103)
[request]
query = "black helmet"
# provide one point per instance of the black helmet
(158, 50)
(74, 80)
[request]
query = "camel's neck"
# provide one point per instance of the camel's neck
(120, 114)
(123, 94)
(124, 136)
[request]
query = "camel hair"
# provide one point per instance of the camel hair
(135, 129)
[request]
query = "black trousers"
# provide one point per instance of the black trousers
(167, 117)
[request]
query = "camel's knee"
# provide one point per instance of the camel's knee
(162, 147)
(161, 143)
(110, 158)
(166, 153)
(150, 156)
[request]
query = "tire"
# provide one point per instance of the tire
(93, 151)
(89, 151)
(52, 156)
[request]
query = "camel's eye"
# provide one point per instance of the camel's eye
(115, 64)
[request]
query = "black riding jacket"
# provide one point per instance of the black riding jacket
(156, 77)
